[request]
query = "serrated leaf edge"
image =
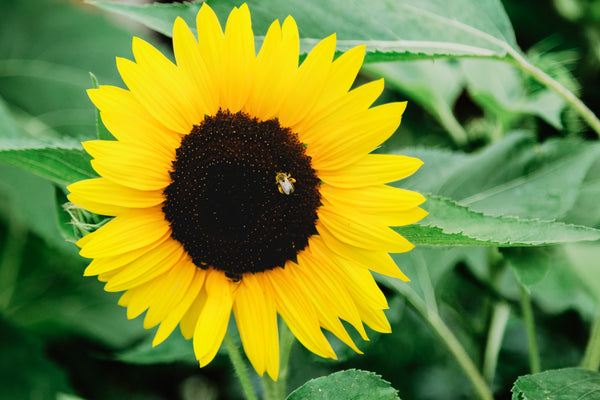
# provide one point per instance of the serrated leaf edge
(500, 217)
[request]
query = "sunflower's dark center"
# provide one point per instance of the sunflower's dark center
(243, 196)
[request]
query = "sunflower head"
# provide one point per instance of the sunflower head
(243, 182)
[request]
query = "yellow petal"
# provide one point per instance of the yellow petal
(373, 199)
(322, 294)
(361, 232)
(125, 299)
(373, 169)
(176, 314)
(140, 84)
(173, 286)
(238, 59)
(140, 131)
(107, 97)
(101, 265)
(308, 85)
(358, 281)
(101, 190)
(96, 207)
(214, 317)
(350, 141)
(297, 311)
(130, 165)
(361, 285)
(210, 45)
(271, 331)
(403, 218)
(156, 292)
(129, 121)
(203, 92)
(275, 69)
(390, 218)
(341, 76)
(256, 319)
(106, 276)
(189, 320)
(132, 230)
(141, 298)
(374, 318)
(353, 102)
(377, 261)
(152, 264)
(161, 87)
(319, 261)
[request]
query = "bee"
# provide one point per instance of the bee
(285, 183)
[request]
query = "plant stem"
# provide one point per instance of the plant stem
(442, 330)
(276, 390)
(240, 367)
(562, 91)
(591, 358)
(271, 389)
(494, 341)
(425, 281)
(454, 128)
(534, 354)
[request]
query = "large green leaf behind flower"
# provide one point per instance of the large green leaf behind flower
(391, 30)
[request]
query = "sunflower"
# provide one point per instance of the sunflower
(244, 182)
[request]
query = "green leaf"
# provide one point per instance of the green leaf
(500, 89)
(560, 278)
(571, 281)
(434, 85)
(44, 69)
(174, 348)
(45, 111)
(399, 30)
(156, 16)
(53, 94)
(8, 128)
(391, 30)
(50, 293)
(429, 269)
(451, 224)
(101, 131)
(75, 222)
(346, 385)
(585, 211)
(514, 176)
(30, 200)
(548, 184)
(25, 371)
(570, 272)
(61, 160)
(53, 299)
(558, 384)
(583, 257)
(530, 265)
(63, 163)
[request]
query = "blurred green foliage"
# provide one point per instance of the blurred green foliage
(493, 139)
